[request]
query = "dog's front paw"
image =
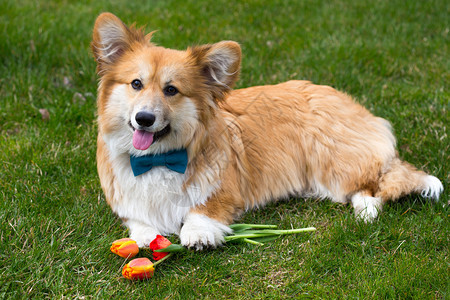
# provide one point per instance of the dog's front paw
(143, 239)
(200, 231)
(141, 233)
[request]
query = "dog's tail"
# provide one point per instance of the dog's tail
(402, 179)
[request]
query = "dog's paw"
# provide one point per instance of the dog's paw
(141, 233)
(366, 208)
(142, 240)
(433, 187)
(200, 231)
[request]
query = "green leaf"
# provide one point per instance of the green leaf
(244, 236)
(277, 232)
(172, 248)
(241, 227)
(252, 234)
(265, 239)
(250, 241)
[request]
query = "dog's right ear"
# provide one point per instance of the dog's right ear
(111, 39)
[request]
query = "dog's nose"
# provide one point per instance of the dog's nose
(145, 119)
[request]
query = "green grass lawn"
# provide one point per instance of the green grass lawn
(56, 228)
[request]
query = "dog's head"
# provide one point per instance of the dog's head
(152, 99)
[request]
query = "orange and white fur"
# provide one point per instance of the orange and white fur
(245, 147)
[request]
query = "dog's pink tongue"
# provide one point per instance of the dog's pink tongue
(142, 139)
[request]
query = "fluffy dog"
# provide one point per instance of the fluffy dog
(180, 152)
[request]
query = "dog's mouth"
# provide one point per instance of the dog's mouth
(143, 139)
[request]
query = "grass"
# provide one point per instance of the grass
(56, 228)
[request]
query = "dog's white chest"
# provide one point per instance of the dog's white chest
(155, 198)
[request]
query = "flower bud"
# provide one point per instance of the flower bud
(138, 268)
(159, 242)
(126, 248)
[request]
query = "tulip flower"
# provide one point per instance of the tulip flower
(126, 248)
(138, 268)
(159, 242)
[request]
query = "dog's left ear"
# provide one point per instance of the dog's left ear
(219, 65)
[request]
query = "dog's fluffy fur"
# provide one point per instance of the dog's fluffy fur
(245, 147)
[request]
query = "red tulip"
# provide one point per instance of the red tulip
(159, 242)
(138, 268)
(126, 248)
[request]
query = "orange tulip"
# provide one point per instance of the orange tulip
(159, 242)
(126, 248)
(138, 268)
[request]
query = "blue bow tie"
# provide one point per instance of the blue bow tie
(175, 160)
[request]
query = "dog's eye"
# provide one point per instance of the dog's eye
(170, 90)
(136, 84)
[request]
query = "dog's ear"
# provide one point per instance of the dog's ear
(111, 39)
(219, 65)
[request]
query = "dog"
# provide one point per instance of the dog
(179, 151)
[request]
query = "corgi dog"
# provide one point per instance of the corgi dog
(180, 152)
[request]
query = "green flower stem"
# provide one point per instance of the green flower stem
(292, 231)
(246, 236)
(252, 242)
(256, 226)
(162, 259)
(263, 233)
